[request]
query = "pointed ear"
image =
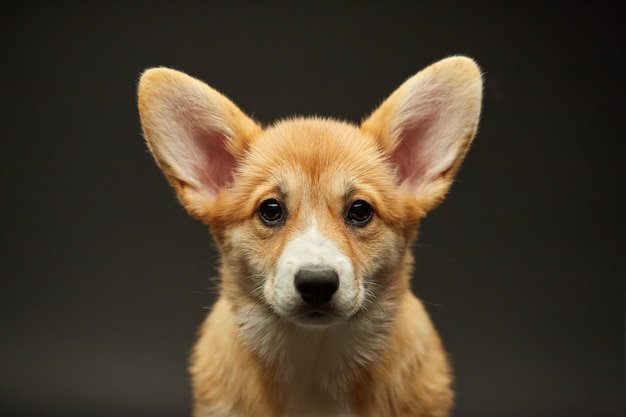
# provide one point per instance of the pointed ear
(427, 125)
(195, 134)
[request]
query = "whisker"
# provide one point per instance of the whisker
(431, 303)
(371, 299)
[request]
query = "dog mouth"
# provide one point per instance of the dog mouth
(317, 316)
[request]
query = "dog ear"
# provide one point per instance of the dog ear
(194, 132)
(427, 125)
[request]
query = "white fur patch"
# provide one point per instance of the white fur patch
(312, 249)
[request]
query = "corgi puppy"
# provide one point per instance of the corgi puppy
(314, 220)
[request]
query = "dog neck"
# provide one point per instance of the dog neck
(315, 368)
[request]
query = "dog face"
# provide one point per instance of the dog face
(320, 219)
(313, 217)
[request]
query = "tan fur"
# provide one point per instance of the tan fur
(381, 355)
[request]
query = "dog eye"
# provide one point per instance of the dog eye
(271, 212)
(360, 213)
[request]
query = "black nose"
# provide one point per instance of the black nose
(316, 284)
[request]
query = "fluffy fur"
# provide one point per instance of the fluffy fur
(263, 351)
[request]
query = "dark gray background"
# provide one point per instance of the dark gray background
(105, 278)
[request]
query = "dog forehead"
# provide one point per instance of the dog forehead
(316, 148)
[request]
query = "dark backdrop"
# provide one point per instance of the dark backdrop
(105, 278)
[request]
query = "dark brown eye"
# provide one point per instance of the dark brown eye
(270, 212)
(360, 213)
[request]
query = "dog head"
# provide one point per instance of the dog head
(313, 217)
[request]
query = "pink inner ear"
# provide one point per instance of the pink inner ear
(212, 164)
(412, 156)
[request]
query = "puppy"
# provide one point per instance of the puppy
(314, 220)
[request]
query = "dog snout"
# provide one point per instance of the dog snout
(316, 284)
